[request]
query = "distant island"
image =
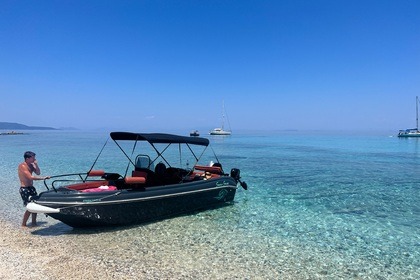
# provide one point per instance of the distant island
(18, 126)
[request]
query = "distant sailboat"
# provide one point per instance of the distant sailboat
(412, 132)
(221, 130)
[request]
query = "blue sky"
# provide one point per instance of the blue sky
(169, 65)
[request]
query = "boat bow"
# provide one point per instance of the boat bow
(37, 208)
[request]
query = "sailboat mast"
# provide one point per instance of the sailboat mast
(417, 113)
(223, 115)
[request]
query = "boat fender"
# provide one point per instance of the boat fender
(36, 208)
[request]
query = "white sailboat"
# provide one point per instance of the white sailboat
(221, 130)
(412, 132)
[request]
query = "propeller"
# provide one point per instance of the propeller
(243, 185)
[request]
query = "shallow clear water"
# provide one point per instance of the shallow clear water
(319, 205)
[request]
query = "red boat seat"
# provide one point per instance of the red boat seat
(135, 180)
(87, 185)
(212, 169)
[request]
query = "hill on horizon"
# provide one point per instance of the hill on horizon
(9, 125)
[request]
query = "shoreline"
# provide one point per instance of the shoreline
(38, 257)
(32, 256)
(89, 256)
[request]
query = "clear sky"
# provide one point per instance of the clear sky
(162, 65)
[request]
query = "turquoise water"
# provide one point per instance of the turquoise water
(319, 205)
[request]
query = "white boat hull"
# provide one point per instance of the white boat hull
(220, 133)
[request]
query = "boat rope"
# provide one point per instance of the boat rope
(129, 157)
(96, 159)
(160, 154)
(214, 153)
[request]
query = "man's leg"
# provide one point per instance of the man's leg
(33, 219)
(25, 218)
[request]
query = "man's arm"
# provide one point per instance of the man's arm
(36, 168)
(27, 176)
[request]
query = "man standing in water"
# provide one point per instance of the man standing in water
(25, 170)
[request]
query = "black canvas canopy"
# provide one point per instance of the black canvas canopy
(159, 138)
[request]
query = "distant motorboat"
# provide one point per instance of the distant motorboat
(194, 133)
(11, 133)
(412, 132)
(221, 130)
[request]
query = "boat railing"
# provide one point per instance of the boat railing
(57, 181)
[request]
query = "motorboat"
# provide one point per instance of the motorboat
(11, 133)
(194, 133)
(155, 185)
(412, 132)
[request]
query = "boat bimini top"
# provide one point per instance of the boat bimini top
(159, 138)
(162, 138)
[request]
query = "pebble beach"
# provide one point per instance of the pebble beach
(27, 256)
(27, 253)
(30, 255)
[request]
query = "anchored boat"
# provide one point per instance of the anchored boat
(153, 186)
(194, 133)
(412, 132)
(221, 130)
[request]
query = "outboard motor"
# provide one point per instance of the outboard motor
(235, 173)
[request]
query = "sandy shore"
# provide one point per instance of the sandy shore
(28, 256)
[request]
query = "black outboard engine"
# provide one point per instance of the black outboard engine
(235, 173)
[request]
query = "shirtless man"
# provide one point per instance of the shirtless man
(25, 170)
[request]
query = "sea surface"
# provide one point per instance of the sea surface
(319, 205)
